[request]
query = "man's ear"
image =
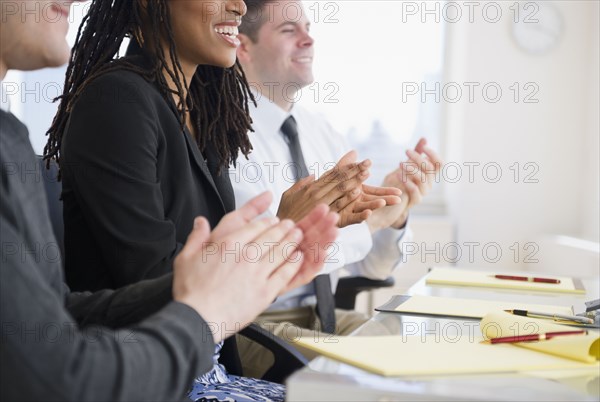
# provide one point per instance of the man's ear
(243, 50)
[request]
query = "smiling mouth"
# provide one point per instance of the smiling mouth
(227, 30)
(302, 59)
(229, 34)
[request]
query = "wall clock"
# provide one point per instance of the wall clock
(537, 26)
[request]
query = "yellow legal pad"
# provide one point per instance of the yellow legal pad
(470, 308)
(462, 277)
(446, 354)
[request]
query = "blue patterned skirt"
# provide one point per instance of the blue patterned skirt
(217, 385)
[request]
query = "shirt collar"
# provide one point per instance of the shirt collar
(267, 117)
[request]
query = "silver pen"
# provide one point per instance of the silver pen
(555, 317)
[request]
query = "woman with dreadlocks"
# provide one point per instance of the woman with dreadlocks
(144, 142)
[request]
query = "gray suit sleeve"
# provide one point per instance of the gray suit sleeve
(121, 307)
(44, 355)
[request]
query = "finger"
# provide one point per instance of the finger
(350, 218)
(349, 157)
(381, 191)
(305, 274)
(411, 172)
(360, 206)
(197, 237)
(268, 248)
(248, 233)
(319, 233)
(255, 206)
(300, 184)
(341, 185)
(419, 180)
(341, 181)
(413, 193)
(422, 163)
(420, 145)
(349, 161)
(345, 200)
(243, 215)
(388, 199)
(435, 159)
(280, 252)
(317, 239)
(281, 280)
(313, 217)
(423, 180)
(316, 249)
(427, 171)
(390, 195)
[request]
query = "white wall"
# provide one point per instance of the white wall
(559, 134)
(591, 195)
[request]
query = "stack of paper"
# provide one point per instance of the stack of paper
(436, 354)
(584, 348)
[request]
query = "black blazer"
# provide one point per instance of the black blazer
(133, 182)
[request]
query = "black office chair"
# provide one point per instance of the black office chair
(287, 358)
(349, 287)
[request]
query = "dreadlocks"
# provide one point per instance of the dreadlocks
(217, 98)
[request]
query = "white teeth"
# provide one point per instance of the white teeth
(227, 30)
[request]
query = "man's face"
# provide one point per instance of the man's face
(34, 33)
(283, 52)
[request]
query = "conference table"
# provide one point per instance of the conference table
(325, 379)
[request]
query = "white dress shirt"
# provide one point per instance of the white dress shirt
(270, 167)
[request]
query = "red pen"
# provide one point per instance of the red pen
(535, 337)
(527, 279)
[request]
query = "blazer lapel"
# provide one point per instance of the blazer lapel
(196, 155)
(221, 179)
(138, 57)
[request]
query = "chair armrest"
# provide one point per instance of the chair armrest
(287, 358)
(349, 287)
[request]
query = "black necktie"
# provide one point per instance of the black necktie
(290, 132)
(322, 284)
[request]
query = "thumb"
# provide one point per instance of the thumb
(350, 157)
(197, 237)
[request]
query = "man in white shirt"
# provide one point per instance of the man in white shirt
(276, 54)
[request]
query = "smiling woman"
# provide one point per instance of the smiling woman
(142, 142)
(204, 33)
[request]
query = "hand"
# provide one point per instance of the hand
(319, 228)
(371, 199)
(337, 188)
(208, 276)
(414, 177)
(388, 216)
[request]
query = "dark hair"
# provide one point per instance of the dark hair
(254, 19)
(217, 98)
